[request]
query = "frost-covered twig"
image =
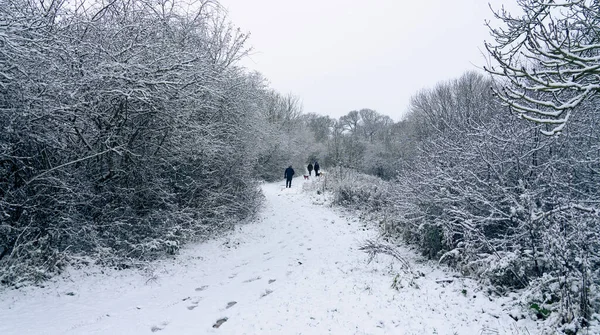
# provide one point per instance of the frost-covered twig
(372, 248)
(74, 162)
(590, 210)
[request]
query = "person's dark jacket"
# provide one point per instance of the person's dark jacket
(309, 167)
(317, 167)
(289, 173)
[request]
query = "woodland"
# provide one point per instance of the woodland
(128, 128)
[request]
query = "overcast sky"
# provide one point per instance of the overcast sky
(343, 55)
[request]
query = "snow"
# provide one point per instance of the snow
(295, 270)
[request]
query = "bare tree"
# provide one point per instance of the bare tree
(351, 121)
(370, 120)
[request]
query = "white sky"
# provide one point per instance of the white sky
(342, 55)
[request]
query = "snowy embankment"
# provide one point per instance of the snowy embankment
(296, 270)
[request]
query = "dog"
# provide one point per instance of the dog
(305, 177)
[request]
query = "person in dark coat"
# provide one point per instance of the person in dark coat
(310, 168)
(317, 168)
(288, 174)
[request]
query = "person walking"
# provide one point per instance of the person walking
(317, 167)
(288, 174)
(310, 168)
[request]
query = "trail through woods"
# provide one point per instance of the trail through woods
(295, 270)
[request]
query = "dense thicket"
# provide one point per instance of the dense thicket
(494, 197)
(503, 183)
(487, 193)
(126, 129)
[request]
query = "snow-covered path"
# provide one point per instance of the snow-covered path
(297, 270)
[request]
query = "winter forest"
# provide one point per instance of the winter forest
(128, 129)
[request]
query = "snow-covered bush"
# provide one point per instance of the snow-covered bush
(125, 130)
(489, 195)
(508, 204)
(357, 190)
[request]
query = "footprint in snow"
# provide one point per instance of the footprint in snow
(243, 264)
(220, 322)
(230, 304)
(201, 288)
(154, 329)
(194, 304)
(271, 281)
(252, 279)
(266, 293)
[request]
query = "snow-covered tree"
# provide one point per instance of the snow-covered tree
(549, 56)
(281, 138)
